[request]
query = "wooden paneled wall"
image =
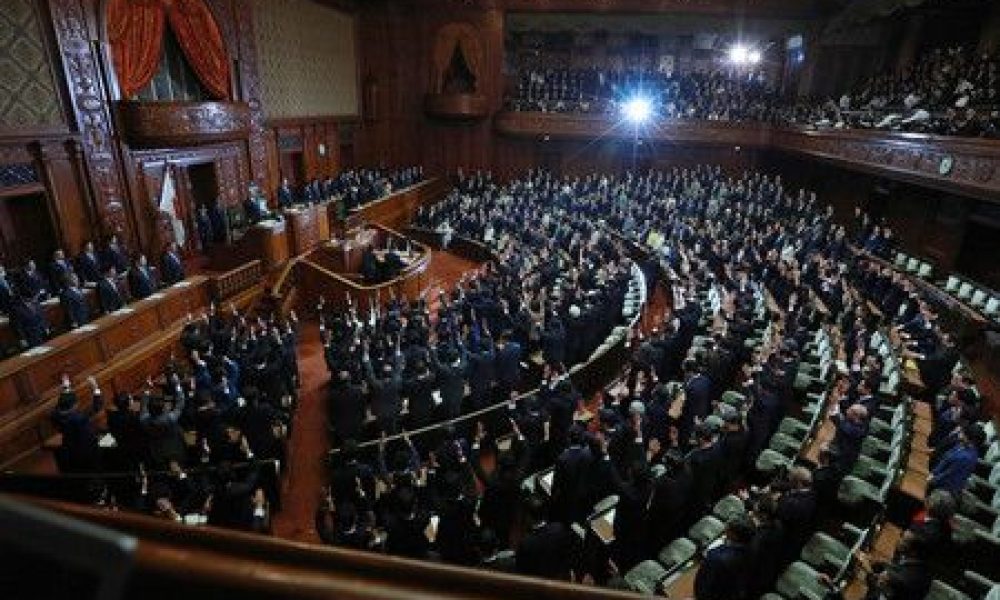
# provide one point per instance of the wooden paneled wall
(324, 143)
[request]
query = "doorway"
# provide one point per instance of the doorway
(26, 230)
(202, 185)
(294, 168)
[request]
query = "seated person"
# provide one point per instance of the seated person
(108, 292)
(255, 205)
(34, 283)
(59, 270)
(142, 279)
(29, 320)
(370, 266)
(115, 255)
(171, 265)
(74, 303)
(88, 265)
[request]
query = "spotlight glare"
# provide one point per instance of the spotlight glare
(754, 57)
(637, 110)
(739, 55)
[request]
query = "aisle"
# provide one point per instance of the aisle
(310, 441)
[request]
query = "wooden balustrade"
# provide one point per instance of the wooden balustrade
(212, 563)
(242, 278)
(966, 166)
(397, 210)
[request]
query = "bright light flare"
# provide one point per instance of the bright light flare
(637, 110)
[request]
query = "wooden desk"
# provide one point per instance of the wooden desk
(55, 316)
(398, 209)
(344, 255)
(268, 241)
(308, 226)
(30, 382)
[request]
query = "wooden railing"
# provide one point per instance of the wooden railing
(242, 278)
(205, 562)
(967, 166)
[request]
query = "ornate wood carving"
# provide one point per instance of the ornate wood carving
(251, 92)
(165, 124)
(966, 166)
(87, 94)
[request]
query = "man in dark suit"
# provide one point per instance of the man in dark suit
(451, 365)
(797, 510)
(724, 573)
(79, 451)
(546, 550)
(115, 255)
(108, 293)
(33, 283)
(405, 534)
(482, 373)
(74, 303)
(697, 398)
(851, 430)
(706, 464)
(142, 278)
(508, 365)
(28, 318)
(6, 292)
(255, 206)
(171, 265)
(347, 407)
(385, 389)
(420, 391)
(570, 483)
(88, 265)
(59, 270)
(286, 195)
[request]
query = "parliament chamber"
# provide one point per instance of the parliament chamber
(697, 299)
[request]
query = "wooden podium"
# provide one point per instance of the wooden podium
(307, 227)
(268, 241)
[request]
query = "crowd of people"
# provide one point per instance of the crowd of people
(736, 253)
(724, 94)
(204, 442)
(354, 187)
(946, 91)
(116, 275)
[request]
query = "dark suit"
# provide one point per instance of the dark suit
(75, 306)
(546, 551)
(88, 268)
(143, 282)
(451, 382)
(59, 271)
(723, 573)
(347, 410)
(109, 295)
(172, 268)
(29, 321)
(570, 485)
(419, 390)
(385, 395)
(6, 295)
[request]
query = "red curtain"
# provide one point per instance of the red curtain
(135, 33)
(202, 42)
